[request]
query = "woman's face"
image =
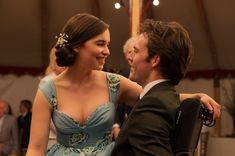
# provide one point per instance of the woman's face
(95, 51)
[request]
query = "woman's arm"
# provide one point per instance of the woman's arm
(129, 91)
(41, 116)
(210, 103)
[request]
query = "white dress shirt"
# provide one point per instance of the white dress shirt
(150, 85)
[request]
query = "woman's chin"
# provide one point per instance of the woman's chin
(100, 67)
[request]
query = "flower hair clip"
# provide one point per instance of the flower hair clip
(62, 40)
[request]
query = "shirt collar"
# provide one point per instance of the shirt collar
(24, 114)
(150, 85)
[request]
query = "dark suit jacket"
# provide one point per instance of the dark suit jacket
(149, 127)
(24, 124)
(9, 135)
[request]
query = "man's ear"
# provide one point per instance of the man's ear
(155, 61)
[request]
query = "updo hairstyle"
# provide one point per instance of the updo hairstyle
(77, 30)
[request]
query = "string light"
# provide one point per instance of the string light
(117, 5)
(120, 4)
(156, 2)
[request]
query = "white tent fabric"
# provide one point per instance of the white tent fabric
(14, 88)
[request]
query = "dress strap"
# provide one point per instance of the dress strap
(48, 88)
(113, 84)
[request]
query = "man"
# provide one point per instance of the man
(24, 123)
(8, 132)
(163, 51)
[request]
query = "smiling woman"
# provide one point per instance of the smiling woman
(81, 100)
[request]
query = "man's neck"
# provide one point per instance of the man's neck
(150, 85)
(154, 76)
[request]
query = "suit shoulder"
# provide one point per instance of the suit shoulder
(10, 118)
(160, 100)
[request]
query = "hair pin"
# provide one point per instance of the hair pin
(62, 40)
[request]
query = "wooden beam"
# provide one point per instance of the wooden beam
(147, 11)
(44, 32)
(205, 74)
(95, 7)
(21, 70)
(214, 56)
(206, 26)
(135, 8)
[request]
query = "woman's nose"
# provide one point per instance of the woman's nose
(106, 51)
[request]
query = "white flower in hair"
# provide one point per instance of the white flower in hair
(62, 40)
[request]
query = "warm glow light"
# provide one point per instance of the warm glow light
(117, 5)
(156, 2)
(135, 13)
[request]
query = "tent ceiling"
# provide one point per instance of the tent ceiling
(210, 24)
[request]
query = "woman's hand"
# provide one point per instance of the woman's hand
(210, 103)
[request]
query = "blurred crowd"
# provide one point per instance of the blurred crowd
(14, 130)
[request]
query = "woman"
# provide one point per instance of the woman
(81, 100)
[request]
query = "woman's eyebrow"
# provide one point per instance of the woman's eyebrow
(102, 41)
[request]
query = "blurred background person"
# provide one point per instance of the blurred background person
(24, 122)
(8, 132)
(9, 109)
(128, 53)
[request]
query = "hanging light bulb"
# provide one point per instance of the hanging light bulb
(117, 5)
(156, 2)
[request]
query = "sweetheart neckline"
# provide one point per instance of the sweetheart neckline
(88, 117)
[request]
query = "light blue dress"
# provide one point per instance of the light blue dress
(92, 139)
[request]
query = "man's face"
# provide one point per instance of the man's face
(22, 109)
(140, 68)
